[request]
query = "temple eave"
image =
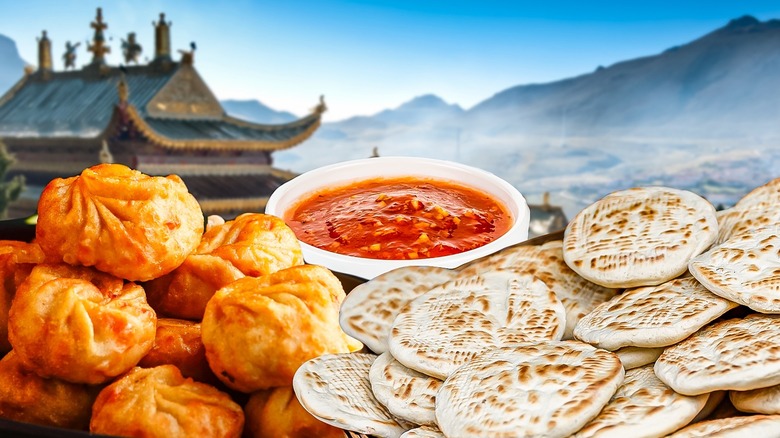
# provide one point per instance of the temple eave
(221, 144)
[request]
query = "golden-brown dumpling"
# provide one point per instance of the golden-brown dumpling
(27, 397)
(276, 413)
(258, 331)
(16, 261)
(178, 343)
(184, 292)
(252, 245)
(257, 244)
(120, 221)
(160, 402)
(79, 324)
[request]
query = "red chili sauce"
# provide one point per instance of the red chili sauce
(399, 218)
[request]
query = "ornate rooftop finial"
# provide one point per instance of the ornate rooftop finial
(188, 57)
(70, 55)
(98, 46)
(122, 89)
(321, 108)
(162, 39)
(131, 49)
(44, 53)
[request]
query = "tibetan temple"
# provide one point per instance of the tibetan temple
(160, 118)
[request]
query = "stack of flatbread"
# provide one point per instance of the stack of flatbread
(653, 316)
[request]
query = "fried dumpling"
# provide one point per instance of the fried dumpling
(16, 261)
(252, 245)
(257, 244)
(160, 402)
(177, 342)
(276, 413)
(79, 324)
(27, 397)
(258, 330)
(120, 221)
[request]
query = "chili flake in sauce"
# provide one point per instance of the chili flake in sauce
(399, 218)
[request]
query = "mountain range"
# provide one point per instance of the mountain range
(703, 116)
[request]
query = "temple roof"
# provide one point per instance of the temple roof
(76, 103)
(170, 104)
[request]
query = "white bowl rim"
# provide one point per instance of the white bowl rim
(369, 268)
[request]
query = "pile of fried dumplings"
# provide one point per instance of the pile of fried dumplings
(128, 315)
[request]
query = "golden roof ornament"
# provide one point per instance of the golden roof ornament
(44, 53)
(123, 90)
(188, 57)
(98, 46)
(70, 54)
(321, 108)
(162, 39)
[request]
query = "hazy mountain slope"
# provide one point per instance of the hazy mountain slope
(422, 109)
(11, 64)
(255, 111)
(724, 83)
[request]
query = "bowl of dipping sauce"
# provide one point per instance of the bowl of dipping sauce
(366, 217)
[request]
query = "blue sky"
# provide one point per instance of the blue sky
(366, 56)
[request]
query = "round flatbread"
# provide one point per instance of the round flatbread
(639, 237)
(652, 316)
(635, 357)
(757, 209)
(713, 402)
(732, 222)
(423, 432)
(578, 295)
(548, 389)
(334, 388)
(507, 258)
(744, 269)
(446, 327)
(738, 354)
(405, 393)
(643, 406)
(733, 427)
(764, 196)
(758, 401)
(370, 308)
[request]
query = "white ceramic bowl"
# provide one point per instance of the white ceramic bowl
(350, 171)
